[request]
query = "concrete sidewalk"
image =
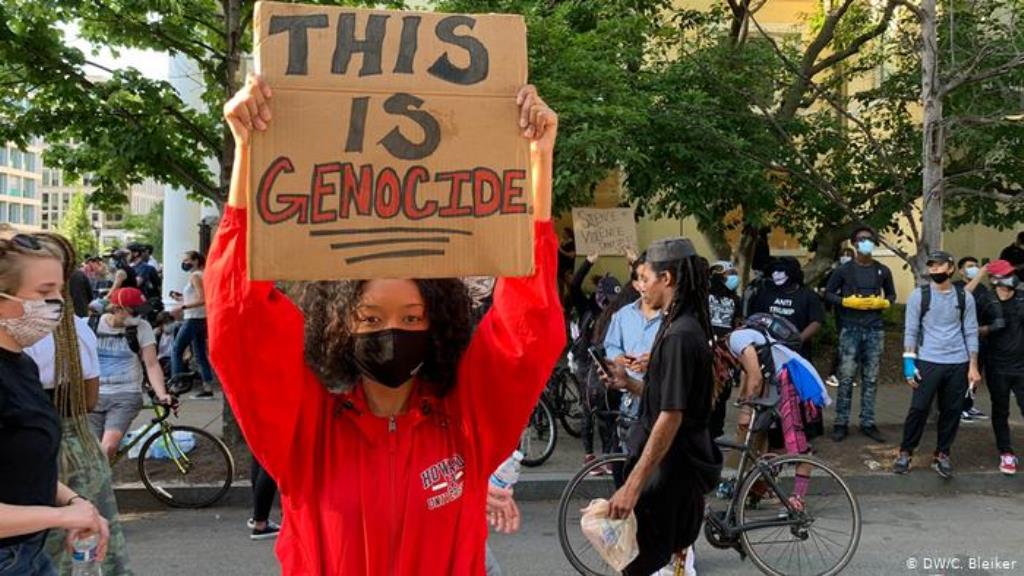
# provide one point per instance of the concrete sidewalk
(862, 462)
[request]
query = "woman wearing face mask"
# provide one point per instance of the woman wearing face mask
(367, 402)
(193, 330)
(127, 351)
(723, 301)
(32, 500)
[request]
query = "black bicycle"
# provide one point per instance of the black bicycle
(792, 514)
(563, 396)
(537, 442)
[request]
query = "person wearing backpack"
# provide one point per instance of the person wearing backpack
(1004, 359)
(127, 353)
(989, 320)
(862, 289)
(940, 359)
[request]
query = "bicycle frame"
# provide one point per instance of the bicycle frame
(161, 420)
(729, 527)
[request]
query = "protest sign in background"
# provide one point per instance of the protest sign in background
(604, 231)
(394, 149)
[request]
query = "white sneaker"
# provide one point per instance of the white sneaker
(832, 381)
(670, 569)
(1008, 464)
(251, 524)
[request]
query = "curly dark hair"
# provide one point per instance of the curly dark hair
(329, 308)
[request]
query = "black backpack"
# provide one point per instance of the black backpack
(776, 328)
(131, 334)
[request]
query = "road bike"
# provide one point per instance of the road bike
(181, 466)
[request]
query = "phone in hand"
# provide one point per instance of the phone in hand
(602, 364)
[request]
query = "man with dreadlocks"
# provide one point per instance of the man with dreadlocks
(673, 462)
(69, 370)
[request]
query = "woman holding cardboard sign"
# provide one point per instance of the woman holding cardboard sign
(367, 401)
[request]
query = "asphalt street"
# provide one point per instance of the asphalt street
(899, 531)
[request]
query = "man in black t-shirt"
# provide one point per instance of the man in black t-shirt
(1014, 254)
(672, 462)
(862, 289)
(787, 297)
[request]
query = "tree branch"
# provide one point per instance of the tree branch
(970, 76)
(860, 41)
(987, 194)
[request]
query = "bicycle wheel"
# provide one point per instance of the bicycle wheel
(571, 410)
(537, 442)
(186, 467)
(577, 495)
(822, 538)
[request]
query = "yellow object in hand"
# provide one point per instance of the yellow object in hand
(865, 303)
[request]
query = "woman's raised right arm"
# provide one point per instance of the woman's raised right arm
(256, 332)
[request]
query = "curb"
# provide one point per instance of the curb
(549, 486)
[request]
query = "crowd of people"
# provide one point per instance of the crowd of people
(381, 408)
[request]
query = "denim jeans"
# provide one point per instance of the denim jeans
(491, 566)
(858, 348)
(192, 333)
(27, 558)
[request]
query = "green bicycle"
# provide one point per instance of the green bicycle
(181, 466)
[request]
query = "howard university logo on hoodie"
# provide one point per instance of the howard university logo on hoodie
(443, 481)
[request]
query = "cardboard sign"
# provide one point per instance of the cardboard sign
(604, 231)
(394, 149)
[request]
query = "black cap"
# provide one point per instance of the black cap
(940, 256)
(670, 250)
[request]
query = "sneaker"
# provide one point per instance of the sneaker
(271, 531)
(902, 464)
(203, 395)
(942, 466)
(873, 432)
(251, 524)
(966, 418)
(977, 414)
(1008, 464)
(833, 381)
(839, 433)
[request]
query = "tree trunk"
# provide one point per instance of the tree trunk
(828, 244)
(719, 244)
(934, 139)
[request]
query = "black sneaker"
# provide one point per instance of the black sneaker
(271, 531)
(839, 433)
(203, 395)
(976, 414)
(942, 466)
(902, 464)
(873, 432)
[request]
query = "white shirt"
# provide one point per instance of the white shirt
(44, 354)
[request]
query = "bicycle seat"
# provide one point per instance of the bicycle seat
(763, 402)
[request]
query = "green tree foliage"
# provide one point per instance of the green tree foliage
(76, 226)
(148, 228)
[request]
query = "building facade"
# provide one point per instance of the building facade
(20, 186)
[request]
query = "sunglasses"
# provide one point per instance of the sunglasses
(27, 242)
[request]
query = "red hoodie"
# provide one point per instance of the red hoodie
(363, 494)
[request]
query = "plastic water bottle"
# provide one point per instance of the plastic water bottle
(83, 561)
(507, 474)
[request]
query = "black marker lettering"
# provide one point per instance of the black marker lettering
(371, 48)
(399, 146)
(357, 125)
(298, 41)
(479, 61)
(407, 46)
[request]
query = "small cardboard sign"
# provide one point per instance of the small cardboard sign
(607, 232)
(394, 149)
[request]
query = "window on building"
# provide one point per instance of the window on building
(46, 196)
(28, 214)
(30, 188)
(14, 213)
(14, 186)
(95, 217)
(3, 155)
(45, 216)
(3, 211)
(87, 180)
(3, 183)
(46, 177)
(17, 159)
(30, 161)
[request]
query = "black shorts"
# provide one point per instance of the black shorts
(669, 516)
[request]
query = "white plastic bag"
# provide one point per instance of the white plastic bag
(614, 540)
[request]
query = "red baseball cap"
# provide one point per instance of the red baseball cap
(1000, 268)
(127, 297)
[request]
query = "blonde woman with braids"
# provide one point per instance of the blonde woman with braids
(32, 500)
(69, 370)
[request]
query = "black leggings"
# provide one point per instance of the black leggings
(263, 490)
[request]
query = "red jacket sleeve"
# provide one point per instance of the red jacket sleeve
(256, 346)
(512, 354)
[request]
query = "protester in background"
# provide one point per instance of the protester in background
(862, 289)
(32, 499)
(124, 273)
(148, 253)
(127, 352)
(378, 395)
(724, 308)
(147, 277)
(989, 318)
(788, 297)
(627, 344)
(566, 262)
(193, 331)
(1014, 254)
(940, 358)
(669, 446)
(1004, 359)
(845, 256)
(69, 355)
(264, 489)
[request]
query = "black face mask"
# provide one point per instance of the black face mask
(391, 357)
(187, 266)
(939, 277)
